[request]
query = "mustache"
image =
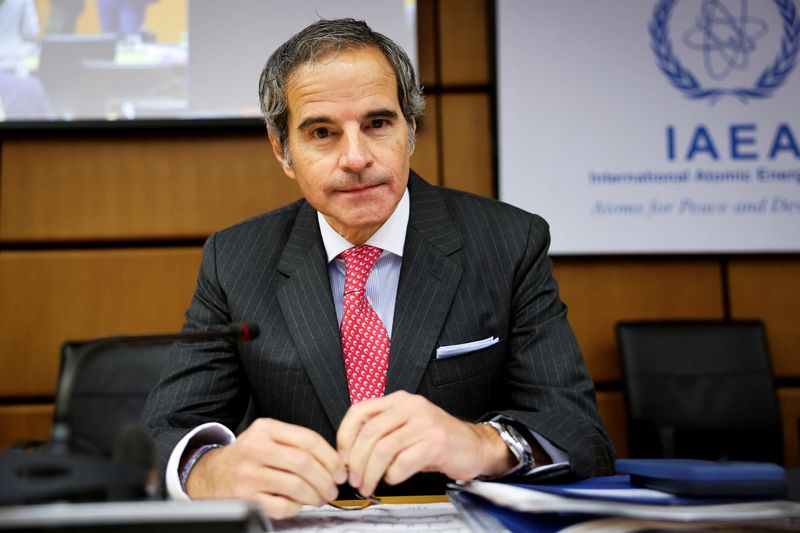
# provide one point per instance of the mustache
(357, 181)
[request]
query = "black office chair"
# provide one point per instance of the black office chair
(110, 392)
(700, 389)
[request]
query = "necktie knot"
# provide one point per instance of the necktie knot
(358, 263)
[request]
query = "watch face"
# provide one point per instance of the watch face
(519, 446)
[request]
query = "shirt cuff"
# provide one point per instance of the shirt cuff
(209, 433)
(558, 457)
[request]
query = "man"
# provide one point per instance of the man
(374, 362)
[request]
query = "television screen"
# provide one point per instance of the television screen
(79, 61)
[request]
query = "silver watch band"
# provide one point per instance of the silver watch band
(517, 445)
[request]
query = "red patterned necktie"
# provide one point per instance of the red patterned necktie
(365, 343)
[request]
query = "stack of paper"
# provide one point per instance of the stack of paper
(615, 497)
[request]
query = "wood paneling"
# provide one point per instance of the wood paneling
(49, 297)
(426, 43)
(467, 141)
(425, 160)
(601, 292)
(790, 412)
(463, 27)
(769, 288)
(612, 409)
(24, 423)
(123, 186)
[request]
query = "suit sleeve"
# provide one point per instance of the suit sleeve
(203, 382)
(550, 389)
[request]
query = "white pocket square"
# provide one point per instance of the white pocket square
(443, 352)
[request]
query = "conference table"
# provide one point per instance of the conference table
(434, 514)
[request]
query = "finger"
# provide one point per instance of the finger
(306, 439)
(277, 506)
(376, 428)
(355, 417)
(306, 467)
(288, 485)
(384, 454)
(407, 462)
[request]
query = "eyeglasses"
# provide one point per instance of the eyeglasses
(356, 505)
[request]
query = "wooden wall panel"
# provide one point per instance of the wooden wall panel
(49, 297)
(464, 35)
(790, 412)
(769, 288)
(24, 423)
(467, 141)
(612, 409)
(426, 42)
(425, 160)
(601, 292)
(123, 186)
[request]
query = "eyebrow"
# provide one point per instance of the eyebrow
(378, 113)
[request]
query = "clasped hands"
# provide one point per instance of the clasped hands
(283, 466)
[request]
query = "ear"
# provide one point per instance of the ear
(278, 152)
(413, 127)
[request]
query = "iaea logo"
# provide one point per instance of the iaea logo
(726, 34)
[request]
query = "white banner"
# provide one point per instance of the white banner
(652, 126)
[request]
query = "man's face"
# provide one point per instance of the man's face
(348, 139)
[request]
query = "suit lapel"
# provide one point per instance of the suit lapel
(305, 299)
(428, 282)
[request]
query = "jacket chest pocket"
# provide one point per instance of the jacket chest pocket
(463, 367)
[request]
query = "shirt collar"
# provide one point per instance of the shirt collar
(390, 237)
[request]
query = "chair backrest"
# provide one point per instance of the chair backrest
(700, 389)
(111, 391)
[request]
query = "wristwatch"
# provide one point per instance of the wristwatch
(517, 444)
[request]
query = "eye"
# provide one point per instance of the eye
(321, 133)
(377, 123)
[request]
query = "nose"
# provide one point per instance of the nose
(356, 154)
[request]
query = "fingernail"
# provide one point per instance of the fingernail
(355, 482)
(340, 476)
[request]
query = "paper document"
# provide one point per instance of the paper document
(383, 518)
(528, 499)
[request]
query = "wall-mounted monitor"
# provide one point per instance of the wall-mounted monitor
(84, 62)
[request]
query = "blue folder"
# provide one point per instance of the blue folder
(707, 479)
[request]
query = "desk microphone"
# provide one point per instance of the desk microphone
(59, 472)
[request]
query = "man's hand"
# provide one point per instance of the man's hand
(398, 435)
(279, 465)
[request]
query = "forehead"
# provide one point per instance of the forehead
(354, 78)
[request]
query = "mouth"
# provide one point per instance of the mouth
(361, 188)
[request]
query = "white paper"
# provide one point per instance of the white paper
(382, 518)
(534, 501)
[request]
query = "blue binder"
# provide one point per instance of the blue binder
(706, 479)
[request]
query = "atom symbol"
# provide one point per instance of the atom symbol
(726, 39)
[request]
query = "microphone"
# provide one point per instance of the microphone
(59, 472)
(133, 446)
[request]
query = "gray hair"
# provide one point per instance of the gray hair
(312, 43)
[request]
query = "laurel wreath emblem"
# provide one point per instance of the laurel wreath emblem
(767, 83)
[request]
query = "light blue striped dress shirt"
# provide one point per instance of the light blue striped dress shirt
(385, 275)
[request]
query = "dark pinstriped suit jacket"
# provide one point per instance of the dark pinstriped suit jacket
(472, 268)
